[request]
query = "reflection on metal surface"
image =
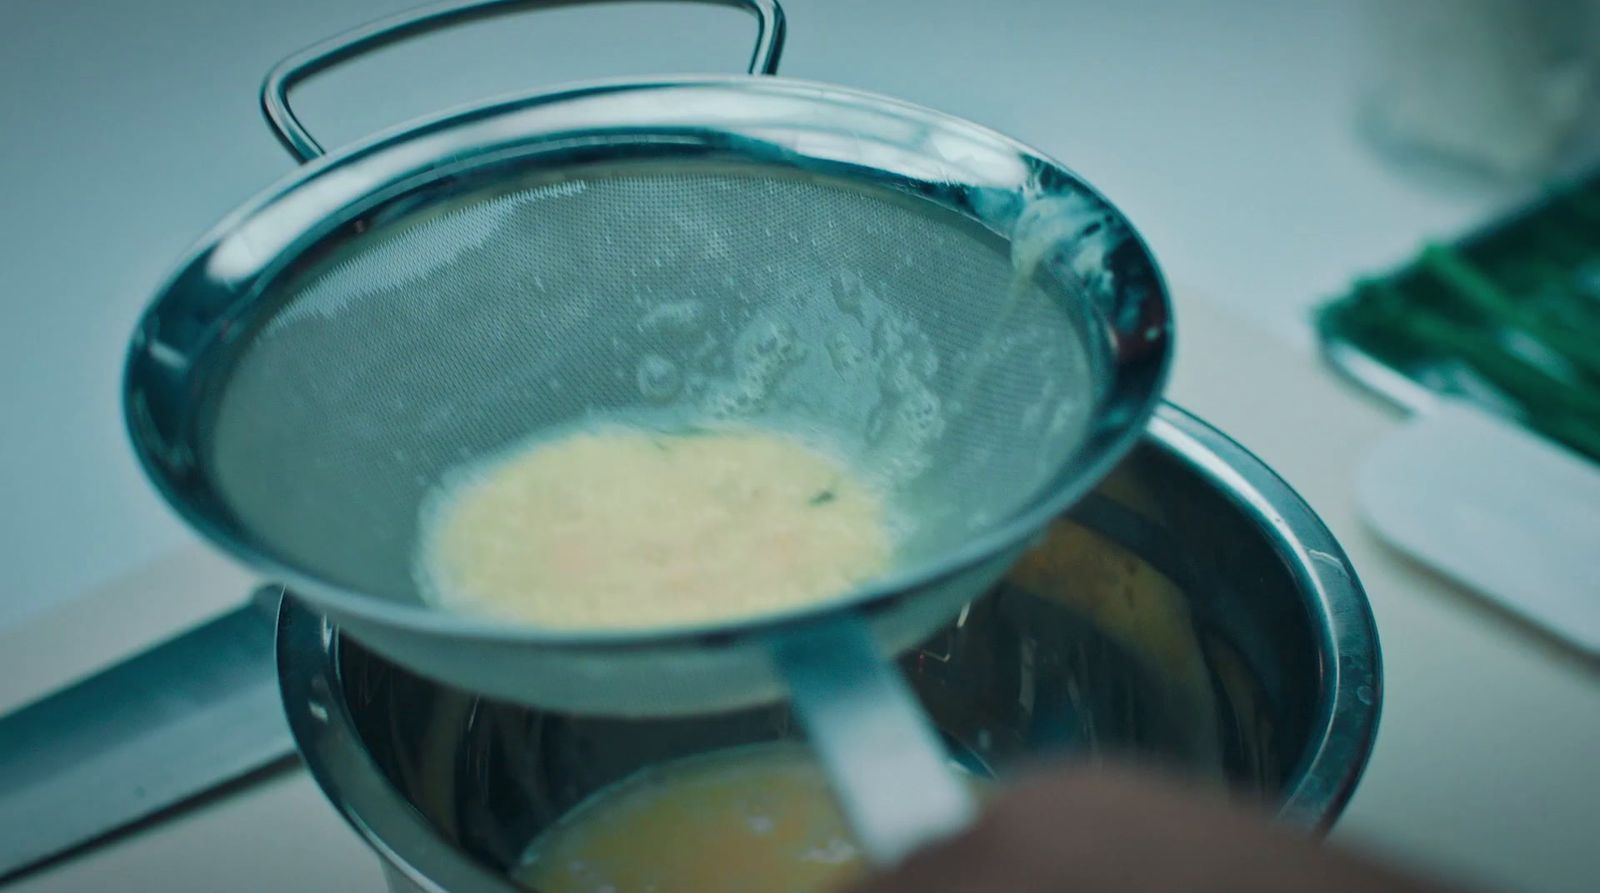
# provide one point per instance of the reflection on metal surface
(141, 737)
(1171, 616)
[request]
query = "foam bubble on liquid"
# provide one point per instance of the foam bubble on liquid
(764, 352)
(834, 851)
(843, 351)
(659, 378)
(672, 316)
(848, 293)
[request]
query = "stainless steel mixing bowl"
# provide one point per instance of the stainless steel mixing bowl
(1192, 610)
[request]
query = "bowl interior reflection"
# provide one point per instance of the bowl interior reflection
(1159, 619)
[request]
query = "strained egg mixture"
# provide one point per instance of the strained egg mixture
(617, 527)
(756, 819)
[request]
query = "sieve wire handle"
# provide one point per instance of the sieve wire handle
(374, 35)
(887, 765)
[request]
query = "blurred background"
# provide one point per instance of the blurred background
(1276, 156)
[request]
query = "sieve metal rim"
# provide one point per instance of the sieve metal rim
(805, 125)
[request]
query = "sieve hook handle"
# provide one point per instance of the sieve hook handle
(381, 33)
(887, 766)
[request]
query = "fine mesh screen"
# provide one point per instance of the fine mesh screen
(662, 298)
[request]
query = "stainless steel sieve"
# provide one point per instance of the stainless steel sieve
(742, 249)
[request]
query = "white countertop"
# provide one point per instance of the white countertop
(138, 129)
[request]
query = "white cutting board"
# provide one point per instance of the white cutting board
(1496, 508)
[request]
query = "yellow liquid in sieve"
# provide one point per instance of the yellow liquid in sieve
(619, 528)
(750, 820)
